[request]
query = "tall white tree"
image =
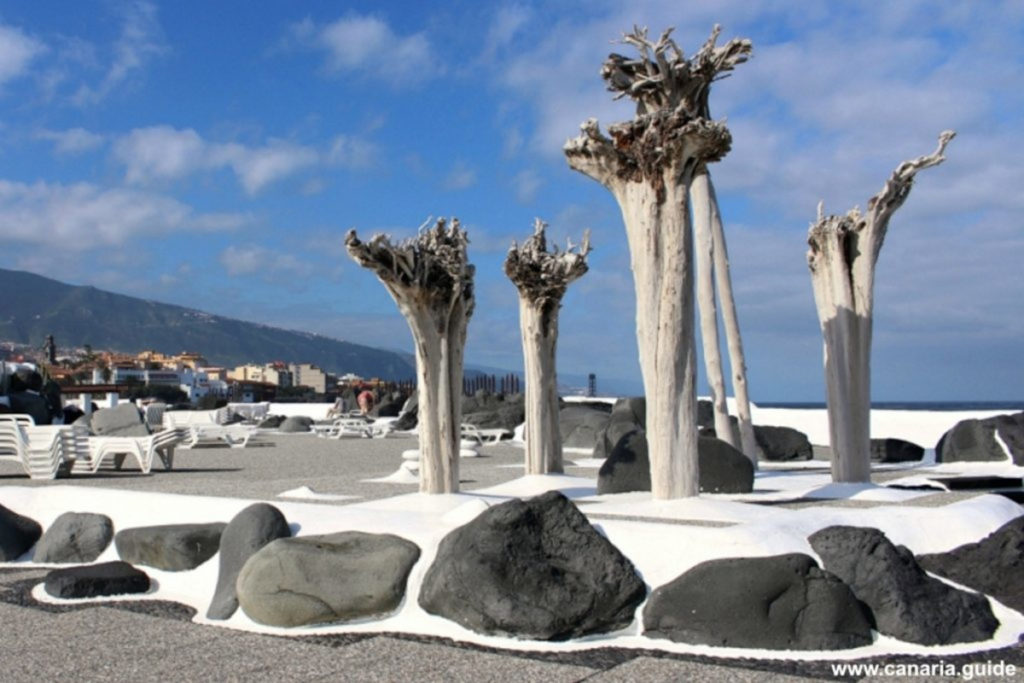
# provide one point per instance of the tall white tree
(648, 164)
(844, 251)
(431, 280)
(542, 278)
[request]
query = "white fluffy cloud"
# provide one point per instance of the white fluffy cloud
(460, 177)
(141, 39)
(71, 141)
(162, 153)
(17, 51)
(367, 45)
(83, 216)
(252, 259)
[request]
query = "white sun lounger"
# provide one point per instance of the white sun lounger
(235, 435)
(143, 448)
(344, 428)
(42, 450)
(483, 436)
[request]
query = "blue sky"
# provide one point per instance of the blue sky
(213, 155)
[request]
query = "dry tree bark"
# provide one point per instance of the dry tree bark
(648, 164)
(542, 277)
(842, 257)
(430, 279)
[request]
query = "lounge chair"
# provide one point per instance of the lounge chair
(42, 450)
(343, 428)
(143, 448)
(484, 436)
(235, 435)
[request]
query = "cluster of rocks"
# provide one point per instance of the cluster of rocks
(538, 569)
(983, 440)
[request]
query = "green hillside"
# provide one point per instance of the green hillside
(32, 306)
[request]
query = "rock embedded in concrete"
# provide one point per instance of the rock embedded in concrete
(994, 565)
(532, 569)
(339, 577)
(75, 537)
(171, 547)
(905, 602)
(249, 530)
(783, 443)
(783, 602)
(96, 580)
(18, 534)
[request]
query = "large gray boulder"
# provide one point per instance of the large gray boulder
(17, 534)
(295, 424)
(494, 411)
(30, 403)
(993, 565)
(723, 469)
(895, 450)
(784, 602)
(628, 415)
(249, 530)
(320, 579)
(533, 569)
(96, 580)
(123, 419)
(75, 537)
(580, 425)
(172, 547)
(906, 603)
(783, 443)
(975, 440)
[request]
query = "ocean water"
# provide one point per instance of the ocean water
(949, 406)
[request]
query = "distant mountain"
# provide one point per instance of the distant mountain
(32, 306)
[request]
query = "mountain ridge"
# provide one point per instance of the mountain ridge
(33, 306)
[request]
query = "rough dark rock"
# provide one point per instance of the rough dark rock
(123, 419)
(723, 469)
(580, 424)
(271, 422)
(296, 424)
(505, 412)
(994, 565)
(390, 405)
(172, 547)
(895, 450)
(75, 537)
(975, 440)
(30, 403)
(906, 603)
(249, 530)
(94, 580)
(628, 415)
(784, 602)
(17, 534)
(535, 569)
(319, 579)
(783, 443)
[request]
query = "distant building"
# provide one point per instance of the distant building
(277, 374)
(308, 375)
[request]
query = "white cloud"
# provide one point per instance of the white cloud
(71, 141)
(17, 51)
(507, 22)
(526, 184)
(367, 45)
(82, 216)
(352, 152)
(141, 40)
(267, 263)
(163, 153)
(461, 177)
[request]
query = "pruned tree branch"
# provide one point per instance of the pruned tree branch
(540, 275)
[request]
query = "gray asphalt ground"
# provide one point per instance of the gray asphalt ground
(143, 641)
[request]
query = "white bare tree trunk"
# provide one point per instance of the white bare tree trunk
(431, 281)
(542, 277)
(648, 165)
(730, 320)
(700, 200)
(542, 435)
(844, 251)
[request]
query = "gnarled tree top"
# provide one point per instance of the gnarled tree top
(431, 267)
(542, 276)
(869, 229)
(672, 125)
(663, 78)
